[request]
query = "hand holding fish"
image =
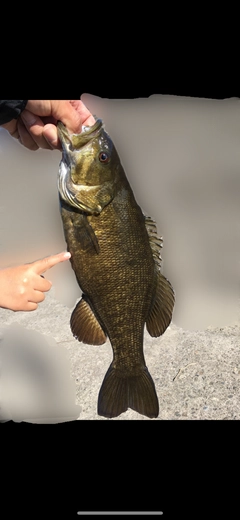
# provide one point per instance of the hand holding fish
(36, 126)
(23, 286)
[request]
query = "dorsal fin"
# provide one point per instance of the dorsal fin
(155, 241)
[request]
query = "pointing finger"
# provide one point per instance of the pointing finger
(40, 266)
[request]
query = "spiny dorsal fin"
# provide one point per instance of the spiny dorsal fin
(85, 326)
(155, 241)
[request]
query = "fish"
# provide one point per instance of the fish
(115, 255)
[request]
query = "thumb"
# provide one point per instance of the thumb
(40, 266)
(64, 111)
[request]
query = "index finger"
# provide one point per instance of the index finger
(40, 266)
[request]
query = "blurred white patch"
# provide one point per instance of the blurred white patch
(35, 383)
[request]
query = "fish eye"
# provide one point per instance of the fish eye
(103, 157)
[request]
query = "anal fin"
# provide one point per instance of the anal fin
(85, 326)
(160, 314)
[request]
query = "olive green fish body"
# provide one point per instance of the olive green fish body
(115, 257)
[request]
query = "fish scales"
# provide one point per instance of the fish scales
(116, 261)
(124, 280)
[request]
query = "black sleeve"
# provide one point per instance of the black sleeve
(11, 109)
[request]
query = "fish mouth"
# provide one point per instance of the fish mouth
(71, 144)
(74, 142)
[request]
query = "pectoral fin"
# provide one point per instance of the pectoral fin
(160, 314)
(85, 235)
(155, 241)
(85, 326)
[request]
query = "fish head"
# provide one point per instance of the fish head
(89, 168)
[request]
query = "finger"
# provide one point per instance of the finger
(38, 297)
(40, 266)
(85, 114)
(12, 128)
(41, 284)
(34, 126)
(65, 112)
(16, 134)
(51, 136)
(30, 306)
(25, 138)
(59, 110)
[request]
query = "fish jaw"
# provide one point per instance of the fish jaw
(72, 193)
(77, 141)
(79, 184)
(74, 143)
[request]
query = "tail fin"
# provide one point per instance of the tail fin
(119, 393)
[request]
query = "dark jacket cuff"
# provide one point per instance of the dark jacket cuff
(11, 109)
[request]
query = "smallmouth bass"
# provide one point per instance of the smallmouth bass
(115, 254)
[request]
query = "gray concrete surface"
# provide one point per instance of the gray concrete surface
(196, 373)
